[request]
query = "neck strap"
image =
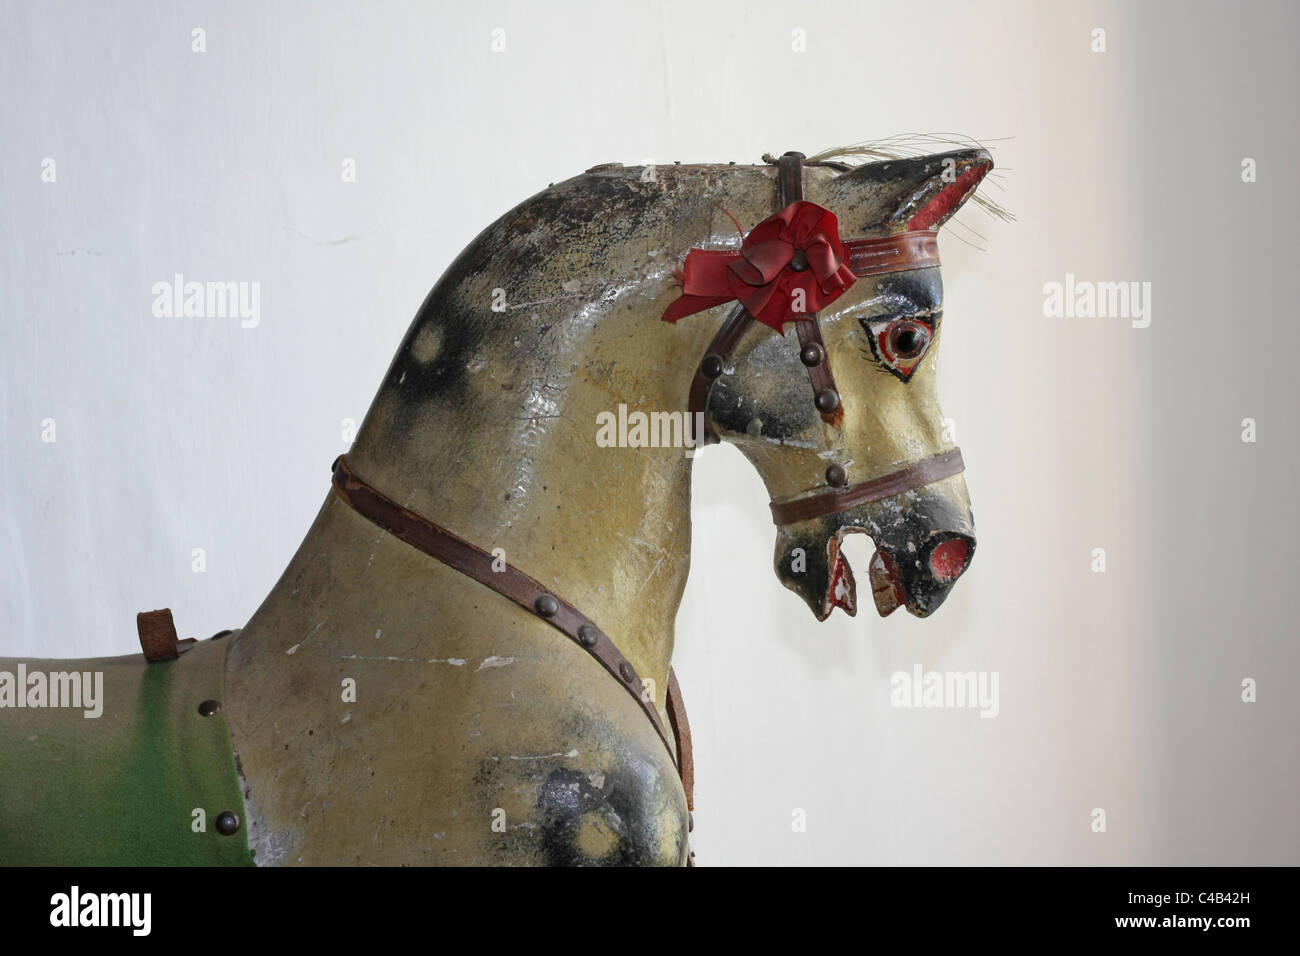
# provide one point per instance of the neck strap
(473, 562)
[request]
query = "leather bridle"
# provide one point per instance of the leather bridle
(916, 249)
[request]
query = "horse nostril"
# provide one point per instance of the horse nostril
(948, 560)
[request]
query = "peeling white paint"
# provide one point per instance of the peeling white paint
(571, 753)
(641, 542)
(789, 442)
(453, 661)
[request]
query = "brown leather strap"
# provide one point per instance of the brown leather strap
(158, 638)
(682, 733)
(789, 179)
(812, 350)
(455, 552)
(814, 354)
(915, 475)
(710, 367)
(906, 250)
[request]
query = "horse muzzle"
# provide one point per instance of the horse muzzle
(924, 538)
(919, 580)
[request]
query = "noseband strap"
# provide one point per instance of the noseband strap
(923, 472)
(473, 562)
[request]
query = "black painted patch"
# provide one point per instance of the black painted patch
(623, 805)
(770, 384)
(594, 213)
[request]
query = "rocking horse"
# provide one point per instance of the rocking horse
(467, 661)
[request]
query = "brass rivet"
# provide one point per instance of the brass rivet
(625, 670)
(836, 476)
(227, 823)
(209, 707)
(711, 366)
(588, 636)
(811, 354)
(546, 605)
(828, 400)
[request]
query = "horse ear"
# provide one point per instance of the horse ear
(921, 192)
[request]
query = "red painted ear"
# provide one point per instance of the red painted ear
(943, 195)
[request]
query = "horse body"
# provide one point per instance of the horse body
(386, 709)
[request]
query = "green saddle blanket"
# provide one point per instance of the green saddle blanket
(143, 783)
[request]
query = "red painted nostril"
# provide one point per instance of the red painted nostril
(948, 560)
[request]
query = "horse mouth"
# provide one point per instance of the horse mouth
(923, 544)
(886, 588)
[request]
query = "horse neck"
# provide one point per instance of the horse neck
(506, 457)
(486, 422)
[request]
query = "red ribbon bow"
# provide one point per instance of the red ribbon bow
(765, 274)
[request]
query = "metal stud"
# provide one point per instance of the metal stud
(811, 354)
(836, 477)
(588, 636)
(626, 672)
(711, 366)
(546, 605)
(227, 823)
(828, 400)
(209, 707)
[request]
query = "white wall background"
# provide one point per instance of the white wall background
(1118, 690)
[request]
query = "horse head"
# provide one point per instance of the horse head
(841, 420)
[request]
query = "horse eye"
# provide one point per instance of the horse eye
(901, 342)
(907, 339)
